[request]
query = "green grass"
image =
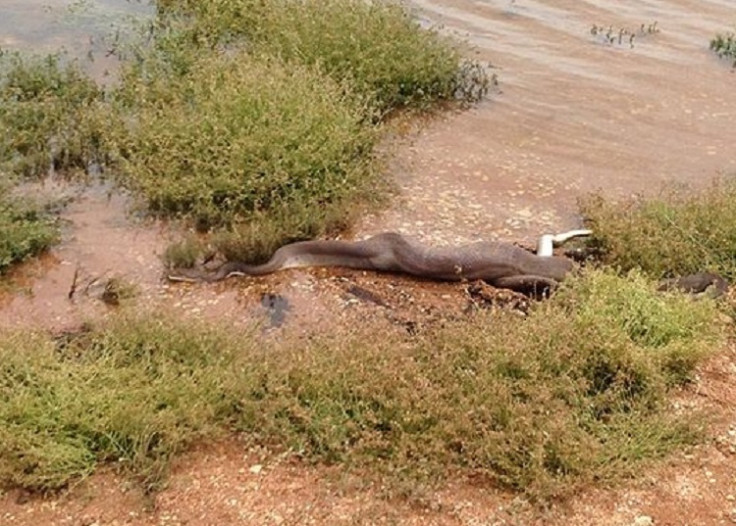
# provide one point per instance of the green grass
(573, 394)
(292, 155)
(46, 106)
(681, 231)
(25, 230)
(724, 45)
(238, 140)
(132, 393)
(185, 252)
(47, 110)
(377, 46)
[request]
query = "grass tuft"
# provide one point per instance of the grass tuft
(48, 104)
(377, 46)
(240, 140)
(256, 119)
(133, 393)
(724, 45)
(185, 252)
(680, 232)
(25, 230)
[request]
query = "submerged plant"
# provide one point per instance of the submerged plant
(725, 46)
(610, 35)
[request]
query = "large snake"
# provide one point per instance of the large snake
(499, 264)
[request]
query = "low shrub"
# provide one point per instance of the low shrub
(377, 46)
(47, 107)
(681, 231)
(256, 119)
(236, 138)
(575, 393)
(25, 230)
(133, 393)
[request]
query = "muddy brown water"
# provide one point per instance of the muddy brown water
(83, 29)
(574, 113)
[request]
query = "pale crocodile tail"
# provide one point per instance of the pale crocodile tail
(548, 241)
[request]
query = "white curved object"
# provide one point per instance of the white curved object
(547, 242)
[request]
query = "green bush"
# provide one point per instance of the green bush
(218, 132)
(680, 232)
(235, 138)
(46, 106)
(134, 394)
(539, 405)
(257, 119)
(376, 45)
(215, 22)
(574, 393)
(25, 230)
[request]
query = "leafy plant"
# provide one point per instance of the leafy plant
(25, 230)
(47, 107)
(682, 231)
(376, 46)
(236, 139)
(724, 44)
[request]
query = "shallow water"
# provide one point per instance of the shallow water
(85, 29)
(48, 25)
(575, 114)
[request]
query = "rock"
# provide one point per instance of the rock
(643, 520)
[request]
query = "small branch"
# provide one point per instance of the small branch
(73, 287)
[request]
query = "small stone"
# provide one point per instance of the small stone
(256, 469)
(643, 520)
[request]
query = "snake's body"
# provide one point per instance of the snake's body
(499, 264)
